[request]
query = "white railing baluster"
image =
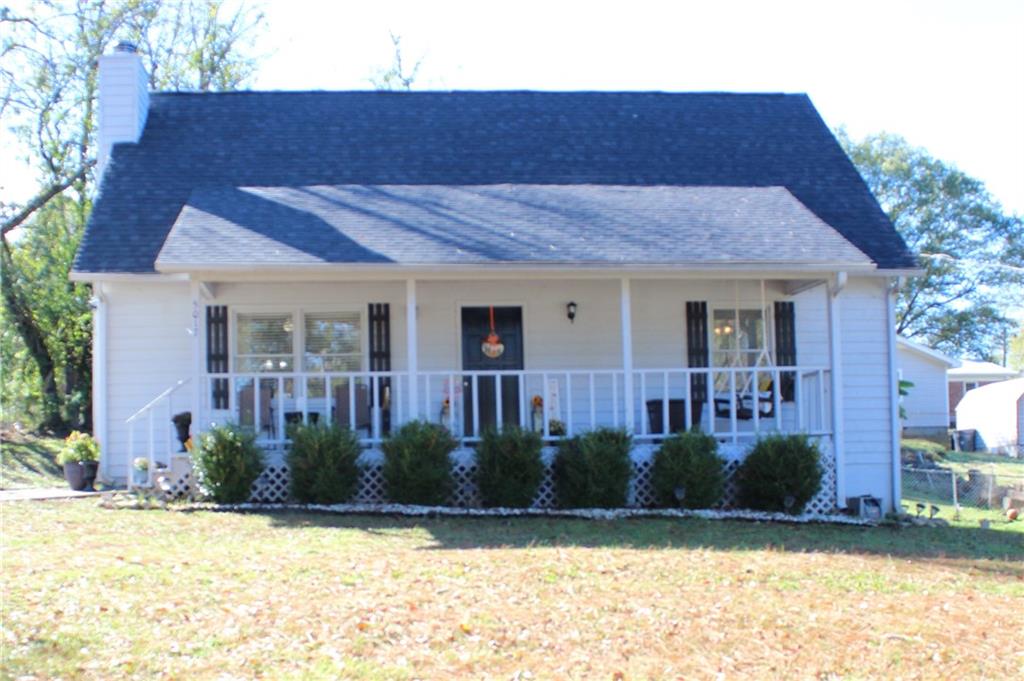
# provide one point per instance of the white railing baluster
(798, 400)
(152, 443)
(733, 424)
(281, 435)
(644, 421)
(593, 406)
(452, 392)
(821, 400)
(777, 399)
(375, 407)
(131, 454)
(666, 428)
(688, 406)
(544, 405)
(569, 430)
(352, 403)
(476, 406)
(499, 420)
(521, 389)
(756, 396)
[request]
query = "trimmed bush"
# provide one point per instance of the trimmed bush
(323, 463)
(593, 470)
(782, 473)
(227, 463)
(688, 472)
(417, 468)
(509, 467)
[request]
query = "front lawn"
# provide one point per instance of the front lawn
(92, 593)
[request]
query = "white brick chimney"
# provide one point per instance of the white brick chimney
(124, 100)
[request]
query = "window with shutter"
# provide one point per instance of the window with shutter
(333, 342)
(265, 342)
(217, 353)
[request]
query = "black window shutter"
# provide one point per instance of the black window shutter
(697, 351)
(785, 345)
(380, 357)
(217, 352)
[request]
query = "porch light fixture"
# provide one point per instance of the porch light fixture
(570, 312)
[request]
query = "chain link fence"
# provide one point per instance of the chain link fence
(981, 487)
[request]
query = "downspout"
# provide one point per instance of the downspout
(100, 427)
(838, 430)
(894, 389)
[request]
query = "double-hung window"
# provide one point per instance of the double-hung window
(283, 342)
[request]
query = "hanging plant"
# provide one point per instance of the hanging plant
(492, 346)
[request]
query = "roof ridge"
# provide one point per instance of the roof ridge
(666, 93)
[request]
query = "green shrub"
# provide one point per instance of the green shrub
(593, 470)
(417, 469)
(323, 463)
(509, 467)
(78, 447)
(227, 463)
(781, 473)
(688, 471)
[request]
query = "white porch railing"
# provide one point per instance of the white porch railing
(162, 403)
(731, 403)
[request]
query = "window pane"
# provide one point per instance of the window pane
(737, 337)
(333, 342)
(264, 342)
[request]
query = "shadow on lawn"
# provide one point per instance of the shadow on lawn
(665, 534)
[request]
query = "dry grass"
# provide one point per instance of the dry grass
(91, 593)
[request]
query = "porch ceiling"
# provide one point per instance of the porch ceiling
(500, 224)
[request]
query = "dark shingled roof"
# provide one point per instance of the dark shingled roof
(486, 224)
(296, 139)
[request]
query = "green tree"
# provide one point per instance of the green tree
(48, 93)
(971, 251)
(1015, 350)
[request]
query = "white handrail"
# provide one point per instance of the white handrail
(153, 402)
(147, 410)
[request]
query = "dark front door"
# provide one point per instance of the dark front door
(476, 325)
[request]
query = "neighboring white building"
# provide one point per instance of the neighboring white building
(996, 412)
(926, 403)
(652, 261)
(973, 374)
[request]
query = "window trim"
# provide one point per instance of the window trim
(768, 318)
(299, 334)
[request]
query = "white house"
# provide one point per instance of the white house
(926, 404)
(652, 261)
(996, 412)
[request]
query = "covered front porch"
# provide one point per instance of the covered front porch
(652, 355)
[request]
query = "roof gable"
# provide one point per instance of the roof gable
(195, 141)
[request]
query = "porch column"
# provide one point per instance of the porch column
(626, 310)
(411, 349)
(838, 431)
(198, 328)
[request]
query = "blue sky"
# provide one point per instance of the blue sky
(948, 76)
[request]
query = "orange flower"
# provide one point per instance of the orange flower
(538, 401)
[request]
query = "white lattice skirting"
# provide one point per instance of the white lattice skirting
(272, 486)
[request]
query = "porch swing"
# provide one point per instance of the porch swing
(745, 395)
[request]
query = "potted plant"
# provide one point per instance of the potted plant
(140, 471)
(80, 458)
(183, 424)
